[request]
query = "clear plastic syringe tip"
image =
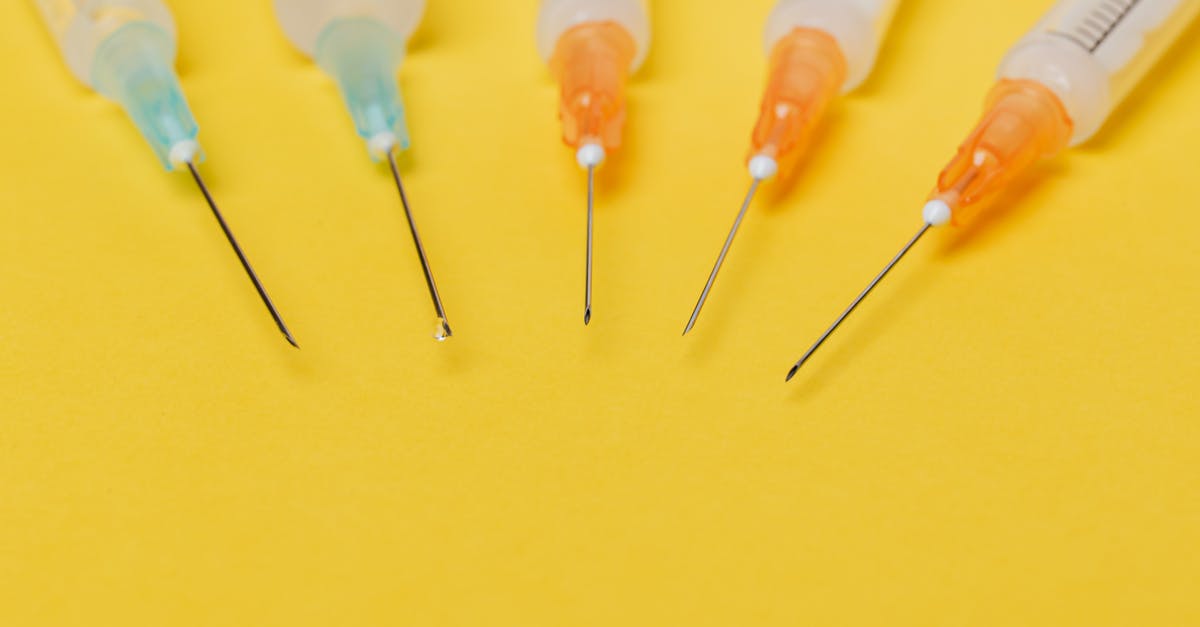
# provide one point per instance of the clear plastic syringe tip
(807, 71)
(591, 62)
(133, 67)
(1023, 123)
(362, 55)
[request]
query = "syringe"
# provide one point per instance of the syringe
(125, 49)
(1057, 87)
(361, 45)
(817, 49)
(592, 46)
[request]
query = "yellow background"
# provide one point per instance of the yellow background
(1006, 434)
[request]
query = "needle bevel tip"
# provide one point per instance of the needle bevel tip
(443, 331)
(587, 316)
(792, 373)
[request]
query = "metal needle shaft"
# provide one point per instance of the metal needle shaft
(262, 291)
(443, 323)
(858, 301)
(712, 278)
(591, 213)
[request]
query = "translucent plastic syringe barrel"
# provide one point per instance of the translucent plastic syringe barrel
(858, 26)
(559, 16)
(125, 49)
(817, 49)
(1057, 87)
(360, 43)
(1093, 53)
(592, 46)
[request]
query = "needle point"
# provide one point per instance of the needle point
(861, 297)
(591, 206)
(792, 373)
(237, 249)
(443, 331)
(712, 277)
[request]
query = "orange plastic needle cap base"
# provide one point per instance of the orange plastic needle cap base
(808, 70)
(1024, 123)
(591, 63)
